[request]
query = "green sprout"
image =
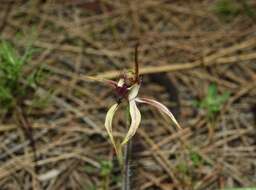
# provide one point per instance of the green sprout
(104, 171)
(228, 9)
(213, 101)
(106, 168)
(196, 159)
(14, 85)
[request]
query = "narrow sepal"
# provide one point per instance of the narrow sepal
(135, 121)
(108, 124)
(162, 108)
(107, 82)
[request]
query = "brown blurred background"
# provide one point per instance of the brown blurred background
(197, 57)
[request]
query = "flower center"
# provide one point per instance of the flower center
(125, 85)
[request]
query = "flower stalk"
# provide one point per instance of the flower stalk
(126, 170)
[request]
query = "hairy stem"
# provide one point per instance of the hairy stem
(126, 170)
(126, 183)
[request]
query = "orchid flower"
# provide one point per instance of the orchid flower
(127, 88)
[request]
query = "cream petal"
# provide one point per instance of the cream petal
(162, 108)
(134, 91)
(108, 123)
(135, 121)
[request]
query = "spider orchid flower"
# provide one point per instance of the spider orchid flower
(126, 90)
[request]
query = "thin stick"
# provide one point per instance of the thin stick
(28, 131)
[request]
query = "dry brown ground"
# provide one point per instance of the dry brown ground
(184, 39)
